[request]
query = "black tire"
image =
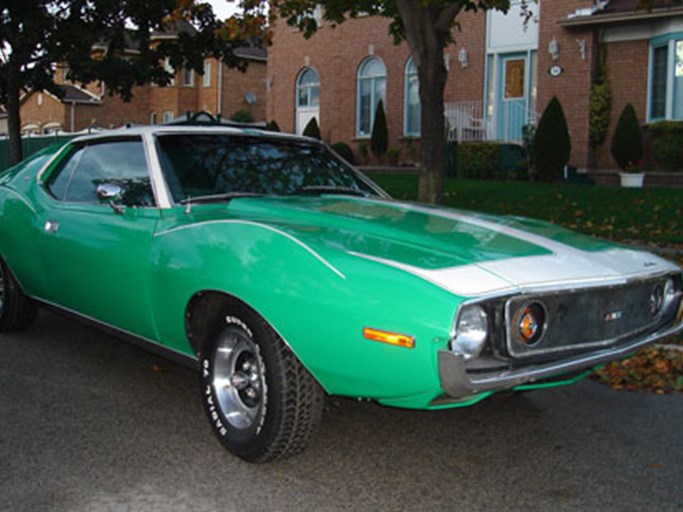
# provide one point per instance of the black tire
(261, 402)
(17, 311)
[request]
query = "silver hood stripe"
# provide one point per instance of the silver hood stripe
(566, 266)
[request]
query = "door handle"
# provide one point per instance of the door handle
(51, 226)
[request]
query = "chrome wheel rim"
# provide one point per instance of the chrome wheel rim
(239, 379)
(2, 288)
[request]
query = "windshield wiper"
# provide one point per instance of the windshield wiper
(214, 198)
(328, 189)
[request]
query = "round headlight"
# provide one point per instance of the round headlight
(530, 323)
(471, 332)
(656, 301)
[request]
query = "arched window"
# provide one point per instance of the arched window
(411, 107)
(308, 88)
(372, 78)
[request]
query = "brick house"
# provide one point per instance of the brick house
(502, 73)
(220, 90)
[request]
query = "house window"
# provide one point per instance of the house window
(169, 69)
(372, 77)
(153, 118)
(308, 89)
(188, 77)
(206, 80)
(168, 116)
(412, 108)
(666, 78)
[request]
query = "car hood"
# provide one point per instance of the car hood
(466, 253)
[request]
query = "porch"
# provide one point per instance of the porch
(469, 121)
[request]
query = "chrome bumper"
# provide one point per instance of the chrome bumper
(457, 383)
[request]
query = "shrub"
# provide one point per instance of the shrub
(272, 126)
(242, 116)
(393, 156)
(599, 110)
(344, 151)
(667, 144)
(364, 151)
(627, 141)
(312, 129)
(552, 146)
(379, 140)
(478, 160)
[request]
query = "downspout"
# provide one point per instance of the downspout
(73, 115)
(219, 100)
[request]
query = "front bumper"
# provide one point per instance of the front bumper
(459, 384)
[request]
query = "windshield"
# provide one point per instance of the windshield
(221, 165)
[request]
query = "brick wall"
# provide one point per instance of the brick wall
(236, 86)
(572, 87)
(42, 108)
(627, 65)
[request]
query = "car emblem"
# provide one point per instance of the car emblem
(613, 316)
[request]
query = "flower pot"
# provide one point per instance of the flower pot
(632, 179)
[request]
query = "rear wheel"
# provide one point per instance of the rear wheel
(17, 311)
(262, 403)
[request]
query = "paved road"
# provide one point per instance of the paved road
(88, 423)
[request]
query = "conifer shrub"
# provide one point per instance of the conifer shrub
(272, 126)
(344, 151)
(552, 145)
(627, 141)
(379, 140)
(312, 129)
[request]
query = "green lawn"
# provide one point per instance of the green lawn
(649, 214)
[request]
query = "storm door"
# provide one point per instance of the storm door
(96, 234)
(512, 93)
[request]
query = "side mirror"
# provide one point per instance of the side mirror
(111, 192)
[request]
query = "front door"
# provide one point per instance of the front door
(96, 234)
(512, 104)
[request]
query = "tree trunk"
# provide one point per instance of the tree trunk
(427, 30)
(432, 74)
(16, 153)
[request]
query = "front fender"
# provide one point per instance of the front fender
(317, 299)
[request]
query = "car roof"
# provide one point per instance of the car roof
(178, 129)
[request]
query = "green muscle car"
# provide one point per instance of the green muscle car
(282, 274)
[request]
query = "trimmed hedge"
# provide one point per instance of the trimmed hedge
(667, 144)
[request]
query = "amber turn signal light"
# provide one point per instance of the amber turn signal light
(391, 338)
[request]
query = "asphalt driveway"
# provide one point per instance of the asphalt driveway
(90, 423)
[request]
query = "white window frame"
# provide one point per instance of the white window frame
(307, 87)
(206, 78)
(374, 96)
(153, 118)
(409, 73)
(168, 116)
(169, 69)
(188, 77)
(667, 41)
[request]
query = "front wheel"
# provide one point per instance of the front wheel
(262, 403)
(17, 311)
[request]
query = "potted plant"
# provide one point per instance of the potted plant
(627, 148)
(633, 176)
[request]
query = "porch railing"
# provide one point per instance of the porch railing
(466, 121)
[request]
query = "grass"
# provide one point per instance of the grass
(648, 214)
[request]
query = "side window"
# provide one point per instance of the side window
(59, 180)
(120, 163)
